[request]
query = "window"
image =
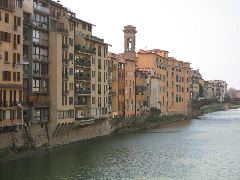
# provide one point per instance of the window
(89, 27)
(99, 64)
(18, 3)
(70, 100)
(93, 73)
(6, 76)
(5, 36)
(84, 26)
(18, 39)
(70, 56)
(70, 41)
(99, 89)
(93, 87)
(36, 36)
(6, 18)
(36, 68)
(99, 51)
(14, 76)
(36, 85)
(18, 76)
(93, 60)
(6, 56)
(18, 57)
(99, 76)
(37, 115)
(93, 100)
(19, 21)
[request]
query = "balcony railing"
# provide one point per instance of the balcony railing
(85, 49)
(41, 8)
(41, 41)
(83, 77)
(40, 74)
(82, 63)
(41, 91)
(83, 91)
(80, 103)
(60, 29)
(43, 25)
(43, 58)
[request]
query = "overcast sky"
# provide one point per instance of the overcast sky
(203, 32)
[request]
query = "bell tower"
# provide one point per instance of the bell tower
(130, 42)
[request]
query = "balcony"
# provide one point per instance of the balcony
(40, 74)
(41, 58)
(42, 25)
(80, 103)
(41, 8)
(65, 46)
(43, 42)
(85, 49)
(82, 63)
(83, 77)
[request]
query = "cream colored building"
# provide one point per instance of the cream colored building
(91, 73)
(11, 64)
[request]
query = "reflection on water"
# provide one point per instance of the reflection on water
(204, 148)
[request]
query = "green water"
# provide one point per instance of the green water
(204, 148)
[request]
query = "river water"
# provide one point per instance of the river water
(204, 148)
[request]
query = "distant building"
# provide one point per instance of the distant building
(219, 88)
(233, 93)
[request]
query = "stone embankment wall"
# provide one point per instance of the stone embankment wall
(80, 132)
(13, 139)
(37, 135)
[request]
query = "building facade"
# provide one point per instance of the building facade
(91, 73)
(170, 81)
(11, 62)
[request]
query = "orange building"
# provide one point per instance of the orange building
(170, 81)
(118, 85)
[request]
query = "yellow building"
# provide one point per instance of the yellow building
(11, 69)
